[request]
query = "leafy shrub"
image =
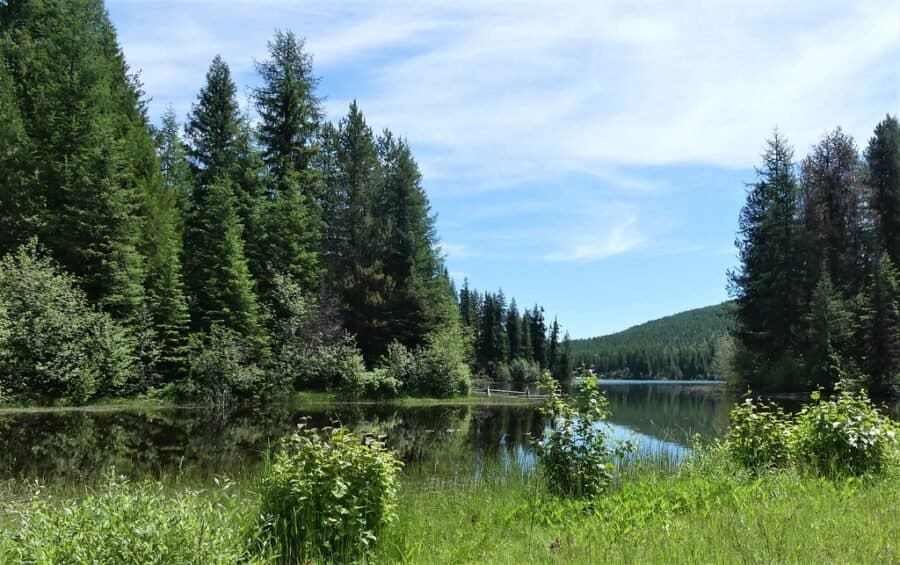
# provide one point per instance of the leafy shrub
(844, 435)
(399, 363)
(524, 371)
(55, 345)
(310, 348)
(222, 370)
(327, 494)
(441, 368)
(129, 524)
(576, 453)
(373, 385)
(759, 435)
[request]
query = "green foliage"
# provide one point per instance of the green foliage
(328, 494)
(376, 384)
(220, 281)
(577, 457)
(442, 370)
(681, 346)
(131, 523)
(759, 435)
(56, 346)
(222, 369)
(83, 158)
(845, 435)
(524, 371)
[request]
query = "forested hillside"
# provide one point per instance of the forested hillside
(681, 346)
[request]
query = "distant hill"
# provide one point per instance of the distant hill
(680, 346)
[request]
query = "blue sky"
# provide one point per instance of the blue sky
(590, 156)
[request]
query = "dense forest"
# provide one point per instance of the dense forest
(509, 345)
(681, 346)
(247, 252)
(818, 302)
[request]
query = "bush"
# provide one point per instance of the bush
(759, 435)
(524, 371)
(576, 454)
(327, 494)
(222, 371)
(844, 435)
(441, 368)
(400, 364)
(310, 348)
(128, 524)
(55, 345)
(372, 385)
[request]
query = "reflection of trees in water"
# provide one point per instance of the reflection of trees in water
(669, 412)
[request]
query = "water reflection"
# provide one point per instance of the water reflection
(660, 419)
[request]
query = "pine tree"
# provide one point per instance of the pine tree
(213, 127)
(221, 285)
(830, 331)
(553, 346)
(514, 330)
(174, 166)
(769, 284)
(833, 205)
(81, 110)
(883, 159)
(290, 112)
(538, 332)
(882, 340)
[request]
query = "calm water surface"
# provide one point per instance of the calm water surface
(74, 445)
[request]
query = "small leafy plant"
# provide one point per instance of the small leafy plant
(844, 435)
(576, 454)
(759, 436)
(327, 494)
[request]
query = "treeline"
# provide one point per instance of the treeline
(681, 346)
(817, 289)
(247, 252)
(506, 345)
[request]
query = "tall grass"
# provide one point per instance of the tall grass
(706, 510)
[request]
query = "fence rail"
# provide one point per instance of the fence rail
(525, 395)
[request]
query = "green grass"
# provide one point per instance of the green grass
(704, 511)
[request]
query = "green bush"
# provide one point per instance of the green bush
(441, 368)
(759, 435)
(129, 524)
(524, 371)
(327, 495)
(376, 384)
(399, 363)
(54, 346)
(844, 435)
(577, 457)
(222, 370)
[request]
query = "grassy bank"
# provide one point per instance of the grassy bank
(705, 511)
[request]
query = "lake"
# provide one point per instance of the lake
(656, 416)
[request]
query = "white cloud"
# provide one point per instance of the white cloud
(499, 95)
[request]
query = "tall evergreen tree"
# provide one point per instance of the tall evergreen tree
(883, 159)
(221, 285)
(514, 330)
(833, 206)
(538, 332)
(289, 109)
(81, 181)
(882, 340)
(553, 346)
(174, 166)
(769, 284)
(214, 127)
